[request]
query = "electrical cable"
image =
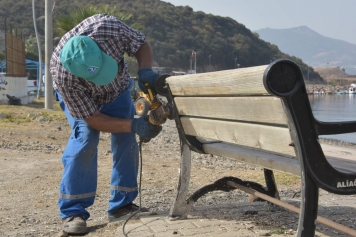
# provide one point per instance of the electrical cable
(139, 190)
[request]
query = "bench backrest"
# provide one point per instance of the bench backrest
(242, 107)
(232, 106)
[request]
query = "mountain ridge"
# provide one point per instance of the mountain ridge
(313, 48)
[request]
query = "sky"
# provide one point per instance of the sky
(330, 18)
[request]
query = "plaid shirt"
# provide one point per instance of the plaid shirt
(81, 97)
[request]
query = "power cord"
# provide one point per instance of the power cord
(139, 190)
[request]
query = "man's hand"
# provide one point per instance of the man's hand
(147, 75)
(144, 129)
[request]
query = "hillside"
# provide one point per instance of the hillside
(313, 48)
(336, 76)
(174, 32)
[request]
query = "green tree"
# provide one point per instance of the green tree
(31, 45)
(31, 49)
(65, 22)
(2, 55)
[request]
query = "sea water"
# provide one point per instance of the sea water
(334, 108)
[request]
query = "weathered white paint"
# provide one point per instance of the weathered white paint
(14, 86)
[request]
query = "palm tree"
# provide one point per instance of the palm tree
(65, 23)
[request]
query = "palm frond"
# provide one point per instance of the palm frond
(65, 22)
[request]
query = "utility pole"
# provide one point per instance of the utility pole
(195, 62)
(48, 53)
(210, 62)
(39, 50)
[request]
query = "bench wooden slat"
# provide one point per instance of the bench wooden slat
(264, 109)
(270, 138)
(287, 164)
(281, 163)
(244, 81)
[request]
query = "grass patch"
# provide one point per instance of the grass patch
(278, 231)
(40, 104)
(28, 113)
(282, 179)
(287, 179)
(13, 118)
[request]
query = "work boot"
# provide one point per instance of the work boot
(126, 210)
(75, 225)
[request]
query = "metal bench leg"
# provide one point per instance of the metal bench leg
(271, 183)
(308, 206)
(271, 187)
(310, 191)
(180, 207)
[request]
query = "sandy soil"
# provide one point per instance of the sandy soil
(30, 172)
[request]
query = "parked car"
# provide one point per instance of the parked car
(32, 86)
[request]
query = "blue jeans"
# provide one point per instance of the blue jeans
(80, 160)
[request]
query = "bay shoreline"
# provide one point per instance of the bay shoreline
(335, 142)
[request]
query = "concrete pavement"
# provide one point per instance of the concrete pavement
(159, 225)
(229, 220)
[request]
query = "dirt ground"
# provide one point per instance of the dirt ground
(31, 144)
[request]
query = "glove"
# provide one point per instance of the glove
(147, 75)
(144, 129)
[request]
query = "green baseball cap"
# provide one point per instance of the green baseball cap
(82, 57)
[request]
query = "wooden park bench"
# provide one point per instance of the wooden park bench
(262, 116)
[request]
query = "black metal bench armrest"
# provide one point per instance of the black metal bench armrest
(284, 79)
(329, 128)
